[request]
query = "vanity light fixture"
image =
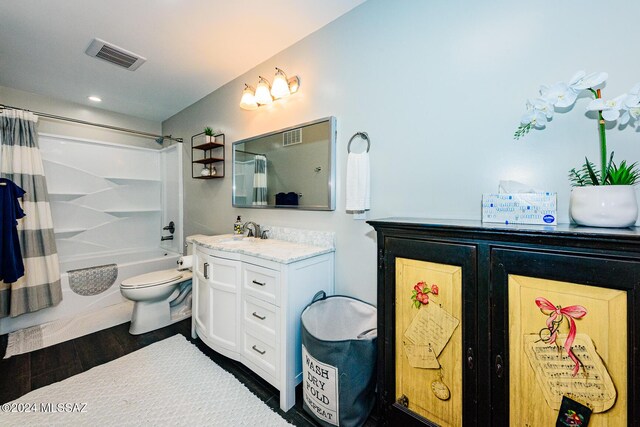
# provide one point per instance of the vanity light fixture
(248, 101)
(280, 87)
(265, 93)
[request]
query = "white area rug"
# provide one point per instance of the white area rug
(47, 334)
(167, 383)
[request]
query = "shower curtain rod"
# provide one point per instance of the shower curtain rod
(159, 138)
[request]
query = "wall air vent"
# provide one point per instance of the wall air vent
(114, 54)
(292, 137)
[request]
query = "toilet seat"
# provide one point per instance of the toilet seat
(152, 279)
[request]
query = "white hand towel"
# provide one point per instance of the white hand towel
(358, 183)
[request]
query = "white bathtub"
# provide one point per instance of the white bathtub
(129, 264)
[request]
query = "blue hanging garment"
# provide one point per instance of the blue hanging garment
(11, 266)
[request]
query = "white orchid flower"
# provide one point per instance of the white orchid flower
(581, 81)
(610, 107)
(631, 107)
(578, 76)
(539, 110)
(630, 116)
(559, 95)
(633, 98)
(542, 105)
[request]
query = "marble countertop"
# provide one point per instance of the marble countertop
(281, 251)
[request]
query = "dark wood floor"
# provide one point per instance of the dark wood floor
(25, 372)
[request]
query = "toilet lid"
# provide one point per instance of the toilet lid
(153, 278)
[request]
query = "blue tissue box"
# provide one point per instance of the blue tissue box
(520, 208)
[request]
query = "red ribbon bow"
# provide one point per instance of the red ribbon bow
(572, 312)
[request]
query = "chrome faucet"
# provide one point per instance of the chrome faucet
(256, 229)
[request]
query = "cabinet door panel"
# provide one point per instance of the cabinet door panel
(424, 347)
(224, 302)
(429, 339)
(201, 311)
(565, 322)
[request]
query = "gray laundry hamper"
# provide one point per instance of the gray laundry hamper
(339, 339)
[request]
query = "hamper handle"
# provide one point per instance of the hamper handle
(364, 333)
(320, 295)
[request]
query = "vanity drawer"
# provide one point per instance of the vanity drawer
(260, 316)
(260, 353)
(262, 283)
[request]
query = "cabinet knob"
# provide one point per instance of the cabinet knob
(259, 283)
(206, 270)
(470, 361)
(499, 366)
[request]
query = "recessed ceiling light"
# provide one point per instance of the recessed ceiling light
(95, 99)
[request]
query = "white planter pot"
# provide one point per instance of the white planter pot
(604, 206)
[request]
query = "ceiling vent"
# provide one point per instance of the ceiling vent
(114, 54)
(292, 137)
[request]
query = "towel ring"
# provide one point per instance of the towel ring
(362, 135)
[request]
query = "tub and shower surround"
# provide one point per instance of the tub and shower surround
(21, 162)
(109, 204)
(111, 198)
(105, 198)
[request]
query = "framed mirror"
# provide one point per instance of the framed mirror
(290, 168)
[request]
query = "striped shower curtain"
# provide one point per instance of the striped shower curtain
(260, 181)
(20, 161)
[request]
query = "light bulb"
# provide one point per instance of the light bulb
(280, 86)
(263, 95)
(248, 101)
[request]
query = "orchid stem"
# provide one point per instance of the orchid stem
(603, 138)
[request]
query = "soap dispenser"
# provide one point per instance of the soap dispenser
(237, 226)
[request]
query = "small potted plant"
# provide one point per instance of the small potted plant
(209, 135)
(603, 197)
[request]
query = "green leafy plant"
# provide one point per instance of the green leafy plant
(585, 175)
(208, 131)
(623, 174)
(562, 96)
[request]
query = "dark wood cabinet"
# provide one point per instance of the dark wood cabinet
(520, 316)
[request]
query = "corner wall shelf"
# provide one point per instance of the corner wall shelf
(70, 232)
(124, 180)
(212, 156)
(129, 212)
(65, 197)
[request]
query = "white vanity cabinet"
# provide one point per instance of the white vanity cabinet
(248, 309)
(216, 302)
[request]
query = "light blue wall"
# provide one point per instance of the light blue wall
(440, 87)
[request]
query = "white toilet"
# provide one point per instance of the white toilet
(152, 294)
